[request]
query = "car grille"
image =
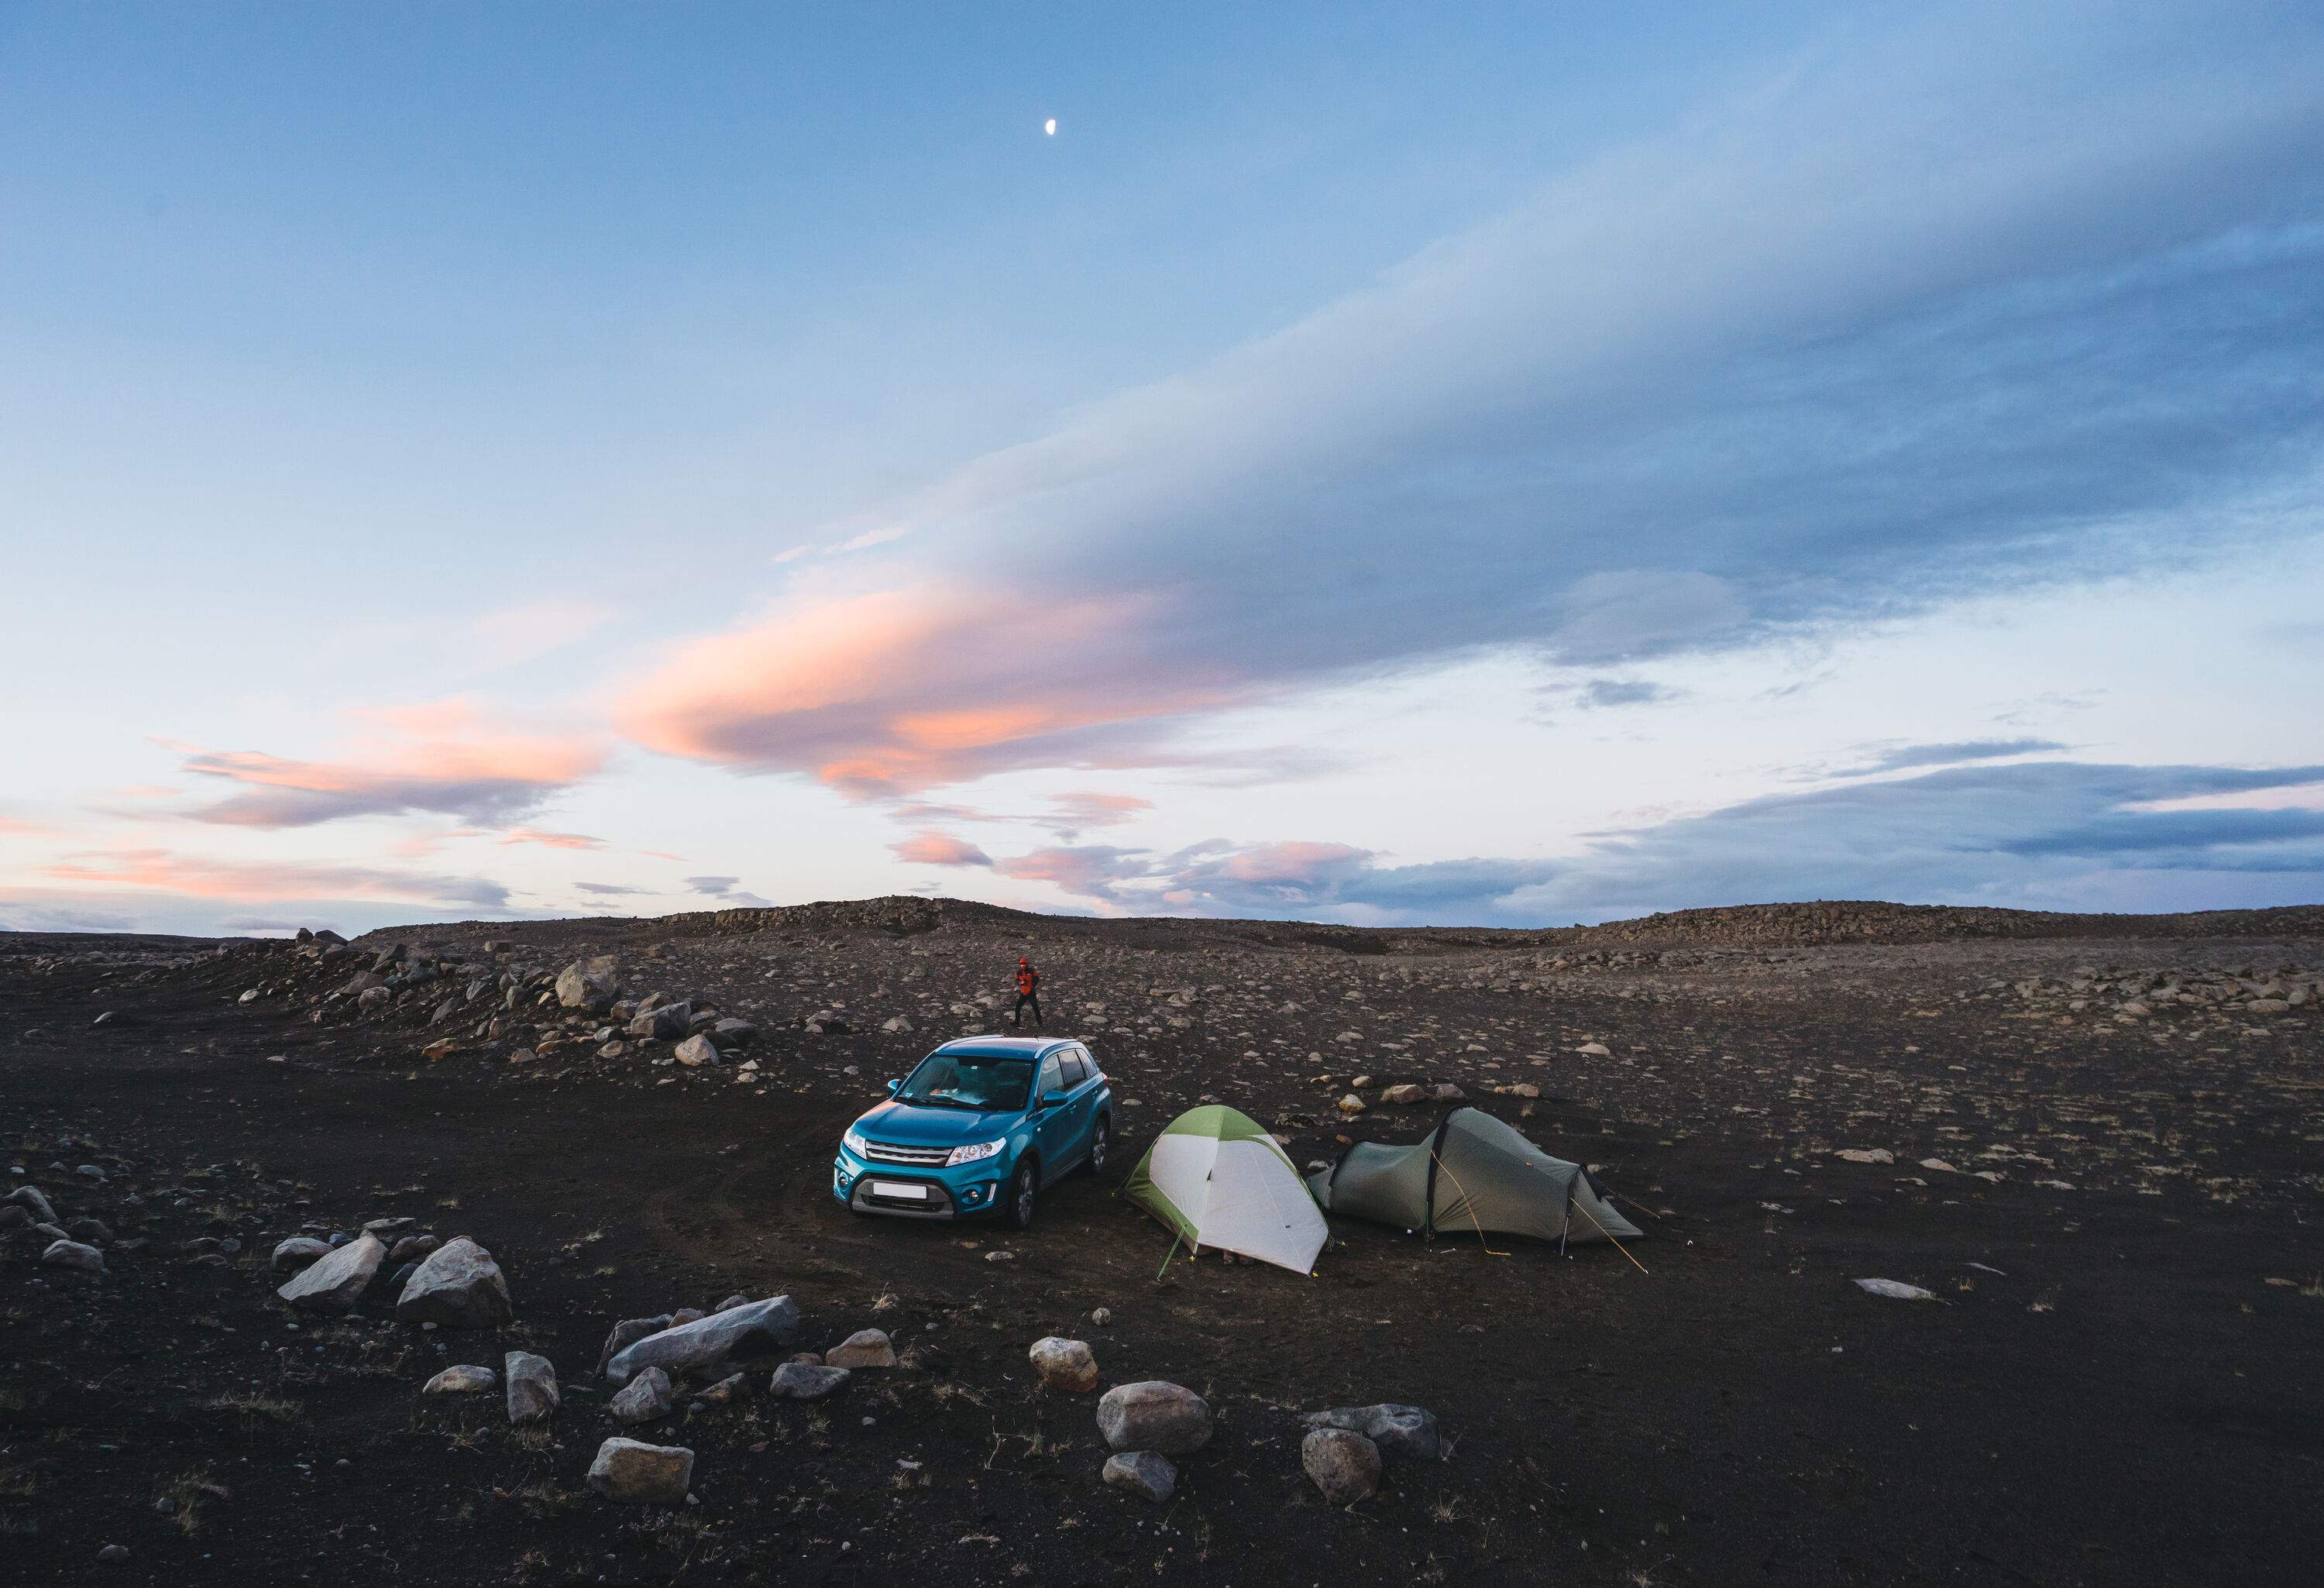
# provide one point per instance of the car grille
(924, 1158)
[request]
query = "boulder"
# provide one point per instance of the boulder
(73, 1255)
(466, 1379)
(732, 1033)
(644, 1398)
(588, 985)
(759, 1329)
(1153, 1414)
(798, 1380)
(1351, 1103)
(865, 1348)
(532, 1387)
(1065, 1364)
(31, 1200)
(335, 1282)
(1397, 1430)
(635, 1472)
(298, 1252)
(696, 1051)
(89, 1231)
(667, 1021)
(412, 1249)
(1346, 1466)
(459, 1287)
(1144, 1472)
(733, 1388)
(629, 1332)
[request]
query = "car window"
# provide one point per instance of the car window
(1052, 1076)
(1074, 1074)
(967, 1080)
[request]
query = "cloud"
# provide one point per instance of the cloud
(1072, 814)
(610, 890)
(439, 758)
(551, 840)
(166, 870)
(1984, 298)
(1607, 694)
(1920, 755)
(1087, 871)
(933, 848)
(1312, 878)
(725, 891)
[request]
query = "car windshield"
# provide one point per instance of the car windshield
(968, 1080)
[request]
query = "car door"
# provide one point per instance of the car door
(1052, 1127)
(1075, 1063)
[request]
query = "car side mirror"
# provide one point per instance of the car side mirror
(891, 1088)
(1053, 1099)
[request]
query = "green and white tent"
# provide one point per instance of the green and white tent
(1472, 1173)
(1217, 1179)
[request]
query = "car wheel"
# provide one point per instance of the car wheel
(1022, 1185)
(1101, 1143)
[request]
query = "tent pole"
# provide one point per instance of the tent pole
(1166, 1256)
(1602, 1230)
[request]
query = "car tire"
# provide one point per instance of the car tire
(1100, 1148)
(1024, 1186)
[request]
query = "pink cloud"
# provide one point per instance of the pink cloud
(887, 693)
(441, 758)
(551, 840)
(1091, 870)
(931, 848)
(165, 871)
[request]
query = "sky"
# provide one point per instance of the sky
(1394, 465)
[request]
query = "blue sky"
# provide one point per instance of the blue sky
(1386, 463)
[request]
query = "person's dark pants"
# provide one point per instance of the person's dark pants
(1024, 999)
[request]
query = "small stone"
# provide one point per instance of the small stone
(298, 1252)
(695, 1051)
(1406, 1092)
(335, 1282)
(797, 1380)
(1065, 1364)
(628, 1333)
(1895, 1290)
(1351, 1103)
(532, 1387)
(114, 1555)
(637, 1474)
(1102, 1317)
(865, 1348)
(1595, 1050)
(644, 1398)
(459, 1286)
(1867, 1155)
(733, 1388)
(1344, 1466)
(1144, 1473)
(1397, 1430)
(464, 1380)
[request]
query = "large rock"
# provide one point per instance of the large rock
(1154, 1415)
(1398, 1430)
(464, 1380)
(335, 1283)
(1406, 1092)
(532, 1387)
(73, 1255)
(798, 1381)
(696, 1051)
(589, 984)
(637, 1474)
(667, 1021)
(754, 1330)
(31, 1200)
(457, 1285)
(1065, 1364)
(629, 1332)
(865, 1348)
(1147, 1472)
(298, 1252)
(1346, 1466)
(644, 1398)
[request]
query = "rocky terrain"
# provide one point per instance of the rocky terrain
(505, 1253)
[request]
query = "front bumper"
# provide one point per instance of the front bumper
(970, 1191)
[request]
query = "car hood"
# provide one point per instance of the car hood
(908, 1124)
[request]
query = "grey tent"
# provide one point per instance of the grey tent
(1471, 1173)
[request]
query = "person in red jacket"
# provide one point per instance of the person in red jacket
(1029, 992)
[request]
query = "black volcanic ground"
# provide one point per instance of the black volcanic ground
(2107, 1165)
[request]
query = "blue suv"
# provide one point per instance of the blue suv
(980, 1126)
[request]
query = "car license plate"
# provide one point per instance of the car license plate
(900, 1188)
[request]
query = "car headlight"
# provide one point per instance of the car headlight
(982, 1149)
(856, 1144)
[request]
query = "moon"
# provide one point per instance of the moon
(1050, 127)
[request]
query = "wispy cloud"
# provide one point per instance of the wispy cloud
(934, 848)
(1907, 756)
(169, 872)
(551, 840)
(445, 759)
(725, 889)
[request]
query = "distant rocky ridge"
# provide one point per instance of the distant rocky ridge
(1824, 921)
